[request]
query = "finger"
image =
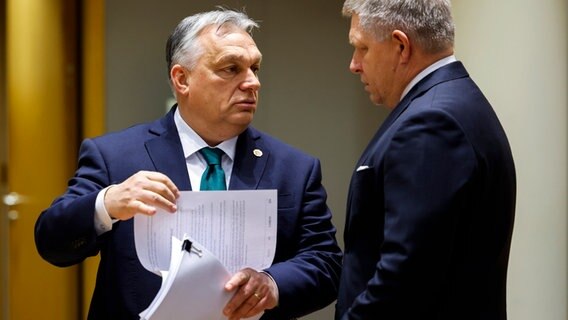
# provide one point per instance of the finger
(133, 208)
(167, 182)
(240, 280)
(258, 308)
(254, 304)
(142, 208)
(237, 280)
(153, 181)
(155, 199)
(160, 188)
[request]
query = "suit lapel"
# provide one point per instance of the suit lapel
(449, 72)
(251, 157)
(166, 151)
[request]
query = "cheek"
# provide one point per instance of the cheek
(374, 77)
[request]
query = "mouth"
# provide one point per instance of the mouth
(246, 104)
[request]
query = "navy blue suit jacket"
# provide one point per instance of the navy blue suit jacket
(430, 209)
(307, 261)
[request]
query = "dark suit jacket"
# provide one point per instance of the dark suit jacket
(307, 261)
(430, 209)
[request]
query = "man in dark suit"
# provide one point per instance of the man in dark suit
(213, 63)
(431, 202)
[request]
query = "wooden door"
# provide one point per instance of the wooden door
(41, 145)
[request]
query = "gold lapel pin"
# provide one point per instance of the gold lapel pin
(257, 152)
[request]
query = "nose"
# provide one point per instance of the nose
(251, 82)
(355, 66)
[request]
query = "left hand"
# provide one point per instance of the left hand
(255, 292)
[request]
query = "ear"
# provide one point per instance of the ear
(180, 79)
(403, 43)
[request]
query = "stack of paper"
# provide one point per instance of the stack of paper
(193, 286)
(221, 233)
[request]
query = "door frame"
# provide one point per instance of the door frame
(4, 236)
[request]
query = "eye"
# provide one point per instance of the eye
(233, 69)
(361, 49)
(360, 52)
(255, 69)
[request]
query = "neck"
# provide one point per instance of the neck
(410, 70)
(424, 60)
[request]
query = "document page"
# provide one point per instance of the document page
(238, 227)
(194, 286)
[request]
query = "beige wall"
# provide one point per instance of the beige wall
(515, 50)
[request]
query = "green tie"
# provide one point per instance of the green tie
(214, 177)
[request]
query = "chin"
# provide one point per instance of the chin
(376, 101)
(243, 118)
(237, 127)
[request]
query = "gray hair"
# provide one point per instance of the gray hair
(183, 46)
(428, 22)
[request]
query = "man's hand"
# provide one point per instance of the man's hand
(255, 292)
(143, 193)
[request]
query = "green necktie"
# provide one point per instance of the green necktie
(214, 177)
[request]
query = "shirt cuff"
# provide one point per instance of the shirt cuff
(103, 221)
(275, 286)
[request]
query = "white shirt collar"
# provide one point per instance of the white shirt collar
(191, 142)
(431, 68)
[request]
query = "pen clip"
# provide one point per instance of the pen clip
(189, 247)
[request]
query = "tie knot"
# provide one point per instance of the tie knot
(212, 155)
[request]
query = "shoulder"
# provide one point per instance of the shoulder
(118, 144)
(136, 132)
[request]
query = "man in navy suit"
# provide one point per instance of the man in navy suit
(213, 64)
(432, 199)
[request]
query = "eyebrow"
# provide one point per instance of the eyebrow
(354, 38)
(230, 57)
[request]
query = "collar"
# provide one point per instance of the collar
(431, 68)
(191, 142)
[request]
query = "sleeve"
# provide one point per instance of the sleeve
(427, 169)
(65, 233)
(309, 280)
(103, 221)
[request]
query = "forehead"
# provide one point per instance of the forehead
(229, 42)
(356, 34)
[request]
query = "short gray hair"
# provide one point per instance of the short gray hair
(183, 46)
(428, 22)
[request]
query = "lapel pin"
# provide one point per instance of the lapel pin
(257, 152)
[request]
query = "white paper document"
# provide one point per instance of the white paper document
(229, 230)
(238, 227)
(193, 288)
